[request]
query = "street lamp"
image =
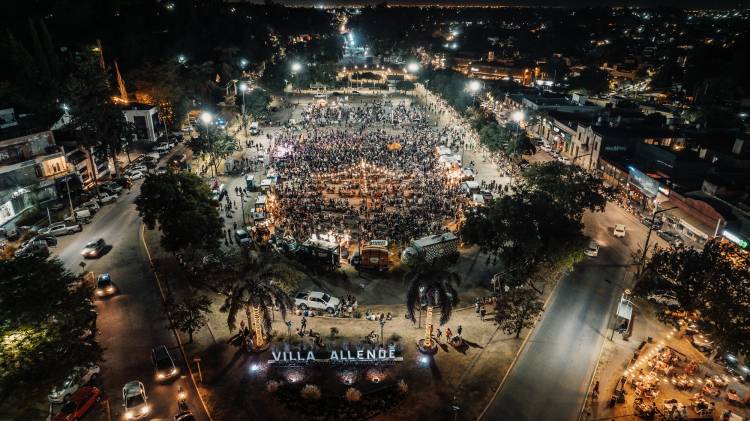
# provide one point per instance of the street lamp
(474, 87)
(412, 67)
(243, 63)
(243, 89)
(517, 116)
(181, 59)
(206, 118)
(382, 324)
(296, 68)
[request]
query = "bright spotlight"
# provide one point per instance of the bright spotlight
(296, 67)
(475, 86)
(412, 67)
(517, 116)
(206, 117)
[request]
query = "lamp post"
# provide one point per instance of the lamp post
(642, 263)
(382, 324)
(243, 89)
(517, 116)
(296, 68)
(474, 87)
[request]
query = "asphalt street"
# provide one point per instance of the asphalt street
(552, 374)
(131, 322)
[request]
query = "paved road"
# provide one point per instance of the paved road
(132, 322)
(552, 374)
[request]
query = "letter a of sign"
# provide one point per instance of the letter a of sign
(334, 356)
(310, 356)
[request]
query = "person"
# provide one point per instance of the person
(459, 331)
(476, 306)
(482, 312)
(438, 334)
(303, 323)
(595, 393)
(448, 334)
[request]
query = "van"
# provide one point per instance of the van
(254, 129)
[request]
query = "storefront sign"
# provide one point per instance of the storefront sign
(335, 356)
(735, 239)
(643, 182)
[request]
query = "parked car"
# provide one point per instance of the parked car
(163, 363)
(654, 224)
(592, 250)
(241, 237)
(105, 198)
(37, 248)
(78, 377)
(671, 238)
(94, 248)
(664, 298)
(60, 228)
(619, 231)
(104, 285)
(134, 175)
(702, 342)
(134, 400)
(138, 167)
(50, 240)
(79, 404)
(161, 170)
(317, 301)
(111, 187)
(91, 205)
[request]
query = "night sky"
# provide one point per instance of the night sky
(555, 3)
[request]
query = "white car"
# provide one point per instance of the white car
(619, 231)
(134, 400)
(59, 228)
(592, 250)
(105, 198)
(138, 167)
(316, 300)
(134, 175)
(664, 299)
(80, 376)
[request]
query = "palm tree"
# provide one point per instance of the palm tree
(432, 283)
(253, 284)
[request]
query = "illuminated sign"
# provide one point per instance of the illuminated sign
(735, 239)
(336, 356)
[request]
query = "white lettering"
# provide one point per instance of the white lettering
(371, 354)
(392, 354)
(334, 355)
(349, 355)
(310, 356)
(360, 354)
(381, 354)
(276, 355)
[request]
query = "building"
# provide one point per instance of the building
(146, 120)
(33, 168)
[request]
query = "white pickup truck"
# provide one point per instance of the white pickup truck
(317, 301)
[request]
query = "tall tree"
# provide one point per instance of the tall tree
(432, 284)
(182, 205)
(189, 314)
(714, 281)
(95, 119)
(570, 188)
(516, 308)
(213, 144)
(253, 284)
(43, 311)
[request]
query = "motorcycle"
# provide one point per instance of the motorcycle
(182, 400)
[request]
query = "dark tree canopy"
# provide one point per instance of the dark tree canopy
(432, 284)
(714, 282)
(182, 205)
(42, 317)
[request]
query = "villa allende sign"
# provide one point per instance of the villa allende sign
(336, 356)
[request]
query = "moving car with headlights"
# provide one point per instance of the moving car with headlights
(134, 400)
(104, 285)
(79, 404)
(316, 300)
(592, 250)
(184, 416)
(94, 249)
(163, 363)
(79, 377)
(619, 231)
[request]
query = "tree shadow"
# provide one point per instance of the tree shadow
(435, 370)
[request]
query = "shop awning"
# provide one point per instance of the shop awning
(688, 221)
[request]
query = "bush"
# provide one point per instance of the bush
(272, 386)
(357, 314)
(394, 338)
(310, 392)
(403, 387)
(353, 395)
(334, 332)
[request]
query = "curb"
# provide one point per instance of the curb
(171, 323)
(518, 353)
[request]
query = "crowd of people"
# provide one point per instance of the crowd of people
(321, 114)
(371, 182)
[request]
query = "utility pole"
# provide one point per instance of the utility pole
(642, 263)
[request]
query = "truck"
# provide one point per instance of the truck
(431, 248)
(320, 252)
(373, 257)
